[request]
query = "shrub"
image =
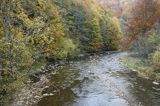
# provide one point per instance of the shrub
(146, 45)
(66, 48)
(111, 32)
(155, 59)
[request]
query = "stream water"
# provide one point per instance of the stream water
(98, 80)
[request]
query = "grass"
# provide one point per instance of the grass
(141, 67)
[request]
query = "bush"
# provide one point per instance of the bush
(155, 59)
(111, 32)
(95, 39)
(66, 48)
(146, 45)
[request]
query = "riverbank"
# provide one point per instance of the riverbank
(61, 80)
(143, 70)
(94, 80)
(141, 67)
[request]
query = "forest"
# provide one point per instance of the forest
(34, 33)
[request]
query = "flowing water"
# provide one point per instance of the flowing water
(98, 80)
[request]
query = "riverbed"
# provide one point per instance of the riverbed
(97, 80)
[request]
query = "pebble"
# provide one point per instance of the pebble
(42, 68)
(37, 96)
(157, 89)
(51, 94)
(20, 102)
(134, 70)
(46, 87)
(29, 81)
(45, 94)
(155, 83)
(53, 73)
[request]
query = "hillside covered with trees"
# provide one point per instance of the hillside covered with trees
(33, 30)
(79, 52)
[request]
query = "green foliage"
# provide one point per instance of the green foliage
(155, 59)
(56, 29)
(84, 25)
(111, 32)
(73, 15)
(9, 87)
(66, 48)
(146, 45)
(95, 38)
(1, 30)
(43, 21)
(21, 55)
(148, 49)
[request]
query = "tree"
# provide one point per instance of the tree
(144, 15)
(111, 32)
(95, 38)
(13, 48)
(41, 23)
(1, 36)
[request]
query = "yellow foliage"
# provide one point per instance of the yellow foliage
(66, 48)
(155, 58)
(1, 30)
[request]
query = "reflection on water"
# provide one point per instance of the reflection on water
(98, 81)
(60, 87)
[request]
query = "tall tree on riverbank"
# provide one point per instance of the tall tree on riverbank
(13, 49)
(145, 13)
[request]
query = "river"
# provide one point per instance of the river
(97, 80)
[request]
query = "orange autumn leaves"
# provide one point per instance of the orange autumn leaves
(144, 15)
